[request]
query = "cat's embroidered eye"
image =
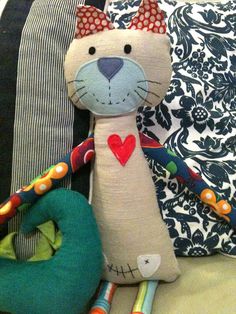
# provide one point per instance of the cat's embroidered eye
(92, 50)
(127, 48)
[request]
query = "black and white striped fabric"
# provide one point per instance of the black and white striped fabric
(39, 123)
(11, 24)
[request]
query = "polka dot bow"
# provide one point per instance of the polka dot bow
(91, 20)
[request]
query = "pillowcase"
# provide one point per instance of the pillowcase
(10, 34)
(196, 119)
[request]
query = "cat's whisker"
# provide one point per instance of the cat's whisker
(78, 81)
(148, 91)
(81, 97)
(148, 102)
(77, 90)
(150, 81)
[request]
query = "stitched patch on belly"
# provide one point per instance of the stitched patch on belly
(122, 270)
(148, 264)
(122, 150)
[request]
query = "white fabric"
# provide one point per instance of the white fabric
(2, 6)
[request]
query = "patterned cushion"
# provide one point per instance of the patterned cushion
(197, 119)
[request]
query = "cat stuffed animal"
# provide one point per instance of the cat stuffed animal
(111, 72)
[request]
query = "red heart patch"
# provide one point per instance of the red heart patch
(122, 150)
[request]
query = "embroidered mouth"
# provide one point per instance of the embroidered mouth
(110, 103)
(122, 271)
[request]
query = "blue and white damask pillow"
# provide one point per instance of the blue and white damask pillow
(197, 119)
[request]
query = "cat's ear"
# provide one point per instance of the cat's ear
(149, 17)
(91, 20)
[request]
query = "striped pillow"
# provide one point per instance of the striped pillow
(10, 34)
(38, 122)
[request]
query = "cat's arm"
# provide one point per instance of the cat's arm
(48, 180)
(179, 169)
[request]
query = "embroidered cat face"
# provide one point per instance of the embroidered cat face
(114, 71)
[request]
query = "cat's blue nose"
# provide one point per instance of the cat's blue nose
(109, 67)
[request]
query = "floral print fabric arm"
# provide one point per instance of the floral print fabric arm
(178, 168)
(49, 179)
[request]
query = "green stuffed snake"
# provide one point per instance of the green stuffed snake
(65, 283)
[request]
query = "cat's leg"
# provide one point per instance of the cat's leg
(102, 304)
(145, 297)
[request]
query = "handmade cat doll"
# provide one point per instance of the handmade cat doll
(111, 72)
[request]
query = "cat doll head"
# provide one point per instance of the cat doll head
(112, 71)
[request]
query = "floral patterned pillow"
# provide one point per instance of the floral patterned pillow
(197, 119)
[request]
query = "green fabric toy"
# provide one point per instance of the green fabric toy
(65, 283)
